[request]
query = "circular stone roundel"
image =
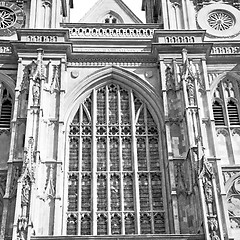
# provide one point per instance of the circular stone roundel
(219, 20)
(11, 17)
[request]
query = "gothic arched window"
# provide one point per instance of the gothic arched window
(5, 107)
(226, 109)
(227, 92)
(114, 168)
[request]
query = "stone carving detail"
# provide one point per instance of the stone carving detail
(188, 76)
(55, 83)
(20, 3)
(16, 173)
(236, 131)
(227, 175)
(5, 50)
(23, 219)
(233, 199)
(36, 72)
(206, 178)
(42, 38)
(49, 190)
(29, 160)
(222, 131)
(170, 82)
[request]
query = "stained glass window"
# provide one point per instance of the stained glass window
(114, 166)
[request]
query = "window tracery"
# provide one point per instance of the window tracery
(114, 160)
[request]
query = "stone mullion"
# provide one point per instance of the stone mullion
(107, 138)
(148, 168)
(94, 164)
(80, 173)
(121, 163)
(135, 164)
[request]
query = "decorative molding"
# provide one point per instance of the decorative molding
(110, 32)
(223, 50)
(180, 39)
(119, 50)
(42, 38)
(108, 62)
(5, 50)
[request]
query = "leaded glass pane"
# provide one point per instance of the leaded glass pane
(113, 104)
(116, 224)
(145, 222)
(102, 224)
(129, 223)
(101, 106)
(127, 154)
(72, 224)
(86, 192)
(141, 153)
(114, 154)
(159, 223)
(125, 115)
(73, 192)
(144, 192)
(154, 154)
(115, 192)
(102, 192)
(73, 154)
(128, 192)
(101, 154)
(86, 224)
(86, 154)
(157, 202)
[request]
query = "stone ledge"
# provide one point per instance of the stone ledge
(136, 237)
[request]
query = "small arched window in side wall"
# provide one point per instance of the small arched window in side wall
(233, 113)
(218, 113)
(5, 107)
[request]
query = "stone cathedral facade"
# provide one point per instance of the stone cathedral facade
(111, 128)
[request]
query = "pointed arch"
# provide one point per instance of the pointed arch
(9, 82)
(120, 144)
(116, 75)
